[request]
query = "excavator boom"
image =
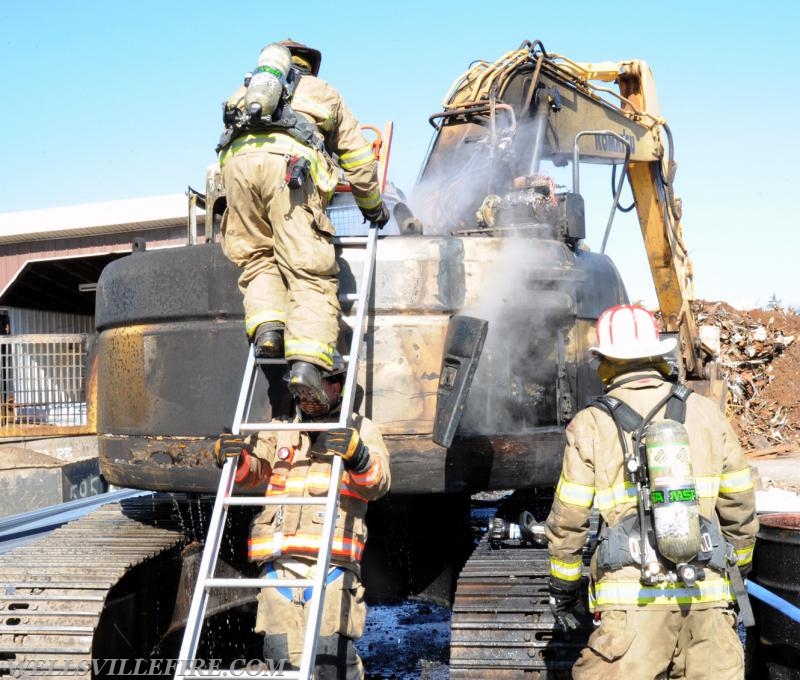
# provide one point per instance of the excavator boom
(551, 108)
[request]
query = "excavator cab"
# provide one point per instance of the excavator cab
(506, 161)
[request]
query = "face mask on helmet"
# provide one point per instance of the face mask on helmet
(338, 367)
(332, 384)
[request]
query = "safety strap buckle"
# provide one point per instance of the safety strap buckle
(304, 595)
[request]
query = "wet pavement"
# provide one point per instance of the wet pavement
(410, 640)
(406, 641)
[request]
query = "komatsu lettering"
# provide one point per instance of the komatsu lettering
(612, 144)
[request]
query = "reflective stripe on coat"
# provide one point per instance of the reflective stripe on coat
(593, 475)
(296, 530)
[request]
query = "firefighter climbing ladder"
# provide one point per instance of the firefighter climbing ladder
(225, 498)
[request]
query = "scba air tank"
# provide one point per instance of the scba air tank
(673, 494)
(266, 84)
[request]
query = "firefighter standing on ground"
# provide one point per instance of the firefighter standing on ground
(279, 177)
(286, 539)
(655, 630)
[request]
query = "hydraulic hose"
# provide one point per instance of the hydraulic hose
(773, 600)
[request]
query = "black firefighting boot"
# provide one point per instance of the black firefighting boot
(305, 383)
(268, 342)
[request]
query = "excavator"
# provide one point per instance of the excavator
(484, 301)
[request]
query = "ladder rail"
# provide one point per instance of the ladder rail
(245, 392)
(365, 290)
(331, 508)
(208, 562)
(314, 620)
(225, 499)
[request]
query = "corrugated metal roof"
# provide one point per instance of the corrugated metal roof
(53, 284)
(95, 218)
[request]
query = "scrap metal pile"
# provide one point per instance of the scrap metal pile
(761, 361)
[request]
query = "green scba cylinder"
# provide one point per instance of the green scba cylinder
(673, 494)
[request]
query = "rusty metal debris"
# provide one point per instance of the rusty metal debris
(762, 404)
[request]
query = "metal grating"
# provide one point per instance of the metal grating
(43, 384)
(348, 220)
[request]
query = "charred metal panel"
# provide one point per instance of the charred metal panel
(473, 463)
(160, 463)
(165, 285)
(462, 350)
(578, 112)
(523, 460)
(172, 349)
(414, 275)
(169, 379)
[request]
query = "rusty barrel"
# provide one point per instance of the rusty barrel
(776, 567)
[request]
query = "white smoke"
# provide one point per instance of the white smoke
(515, 384)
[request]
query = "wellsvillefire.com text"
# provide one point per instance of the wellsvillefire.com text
(241, 668)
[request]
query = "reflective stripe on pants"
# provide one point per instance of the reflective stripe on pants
(283, 242)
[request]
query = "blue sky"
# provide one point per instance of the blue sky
(116, 100)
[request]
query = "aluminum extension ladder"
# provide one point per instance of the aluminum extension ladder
(225, 498)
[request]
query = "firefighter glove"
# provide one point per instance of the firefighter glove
(229, 445)
(379, 215)
(565, 603)
(345, 442)
(745, 569)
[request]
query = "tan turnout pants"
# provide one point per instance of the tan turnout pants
(653, 644)
(344, 614)
(282, 240)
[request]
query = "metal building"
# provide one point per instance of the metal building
(50, 261)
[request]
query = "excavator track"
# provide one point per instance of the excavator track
(501, 625)
(53, 590)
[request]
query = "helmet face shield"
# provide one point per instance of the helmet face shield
(332, 384)
(338, 366)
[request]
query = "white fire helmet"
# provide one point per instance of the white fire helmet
(628, 332)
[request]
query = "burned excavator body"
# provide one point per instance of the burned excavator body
(474, 359)
(498, 264)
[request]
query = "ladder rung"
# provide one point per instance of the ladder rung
(302, 427)
(350, 240)
(275, 500)
(260, 361)
(258, 582)
(225, 497)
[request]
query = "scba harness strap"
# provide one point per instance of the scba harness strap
(632, 541)
(305, 595)
(238, 122)
(628, 419)
(621, 545)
